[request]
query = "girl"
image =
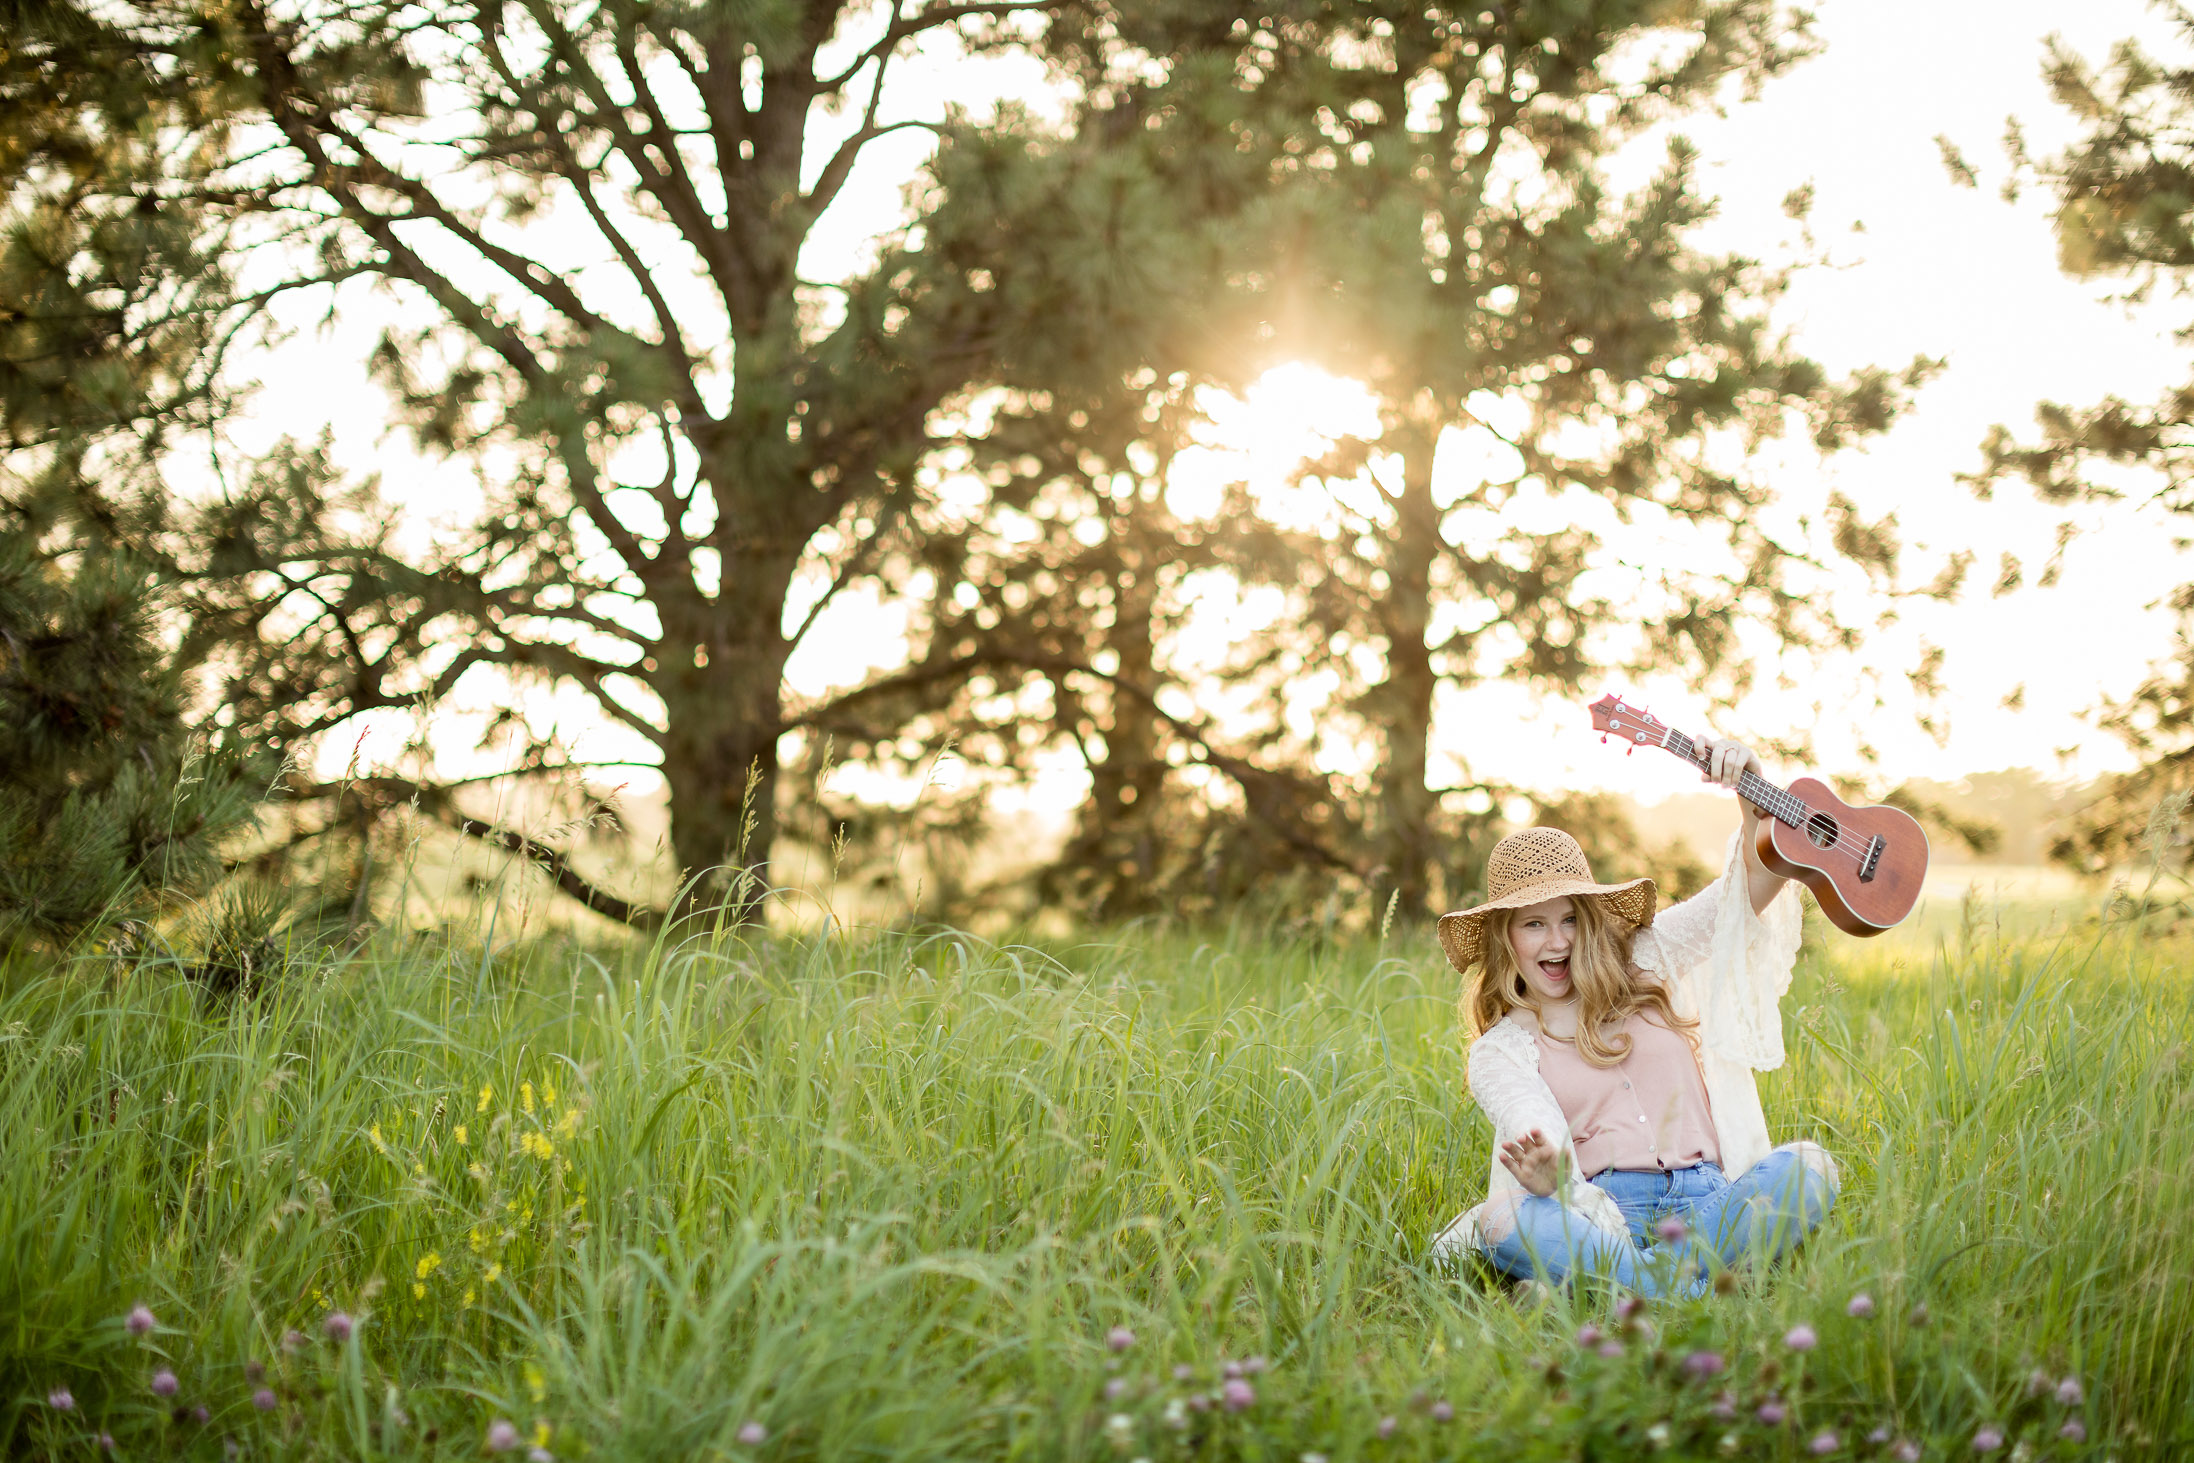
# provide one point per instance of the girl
(1614, 1054)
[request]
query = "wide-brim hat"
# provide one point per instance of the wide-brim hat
(1529, 868)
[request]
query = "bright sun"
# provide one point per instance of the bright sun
(1262, 437)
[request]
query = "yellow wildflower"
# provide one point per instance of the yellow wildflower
(429, 1262)
(537, 1145)
(525, 1096)
(469, 1297)
(418, 1291)
(487, 1095)
(495, 1273)
(536, 1384)
(568, 1124)
(463, 1138)
(540, 1429)
(380, 1144)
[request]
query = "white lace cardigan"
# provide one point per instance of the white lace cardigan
(1723, 964)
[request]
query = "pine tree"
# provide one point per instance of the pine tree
(2124, 192)
(109, 805)
(111, 303)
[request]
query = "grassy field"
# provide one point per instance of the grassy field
(1158, 1195)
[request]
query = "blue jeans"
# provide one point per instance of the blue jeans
(1760, 1217)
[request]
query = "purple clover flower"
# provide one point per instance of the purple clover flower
(751, 1435)
(265, 1400)
(60, 1399)
(1443, 1411)
(339, 1325)
(1987, 1438)
(1862, 1306)
(1116, 1389)
(1904, 1450)
(1589, 1335)
(1629, 1306)
(1230, 1370)
(1801, 1337)
(1119, 1339)
(1771, 1413)
(1824, 1442)
(1879, 1436)
(164, 1383)
(502, 1435)
(141, 1321)
(1253, 1366)
(293, 1340)
(1724, 1405)
(1183, 1372)
(1237, 1395)
(1611, 1348)
(201, 1415)
(2073, 1431)
(1671, 1230)
(1386, 1428)
(1703, 1364)
(539, 1455)
(106, 1442)
(255, 1370)
(2070, 1393)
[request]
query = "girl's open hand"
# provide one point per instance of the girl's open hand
(1533, 1159)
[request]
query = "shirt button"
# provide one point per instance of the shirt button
(1626, 1084)
(1641, 1117)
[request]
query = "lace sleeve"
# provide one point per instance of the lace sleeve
(1505, 1081)
(1681, 937)
(1740, 986)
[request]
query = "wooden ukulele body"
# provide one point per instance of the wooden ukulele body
(1857, 898)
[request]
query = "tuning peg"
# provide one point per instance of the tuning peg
(1630, 751)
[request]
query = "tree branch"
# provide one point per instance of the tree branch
(1262, 790)
(435, 801)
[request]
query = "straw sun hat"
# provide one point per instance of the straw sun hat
(1530, 867)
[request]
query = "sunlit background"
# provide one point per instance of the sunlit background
(1907, 262)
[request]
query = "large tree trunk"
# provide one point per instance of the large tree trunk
(1115, 855)
(720, 759)
(720, 671)
(1407, 841)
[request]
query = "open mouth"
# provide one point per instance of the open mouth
(1556, 971)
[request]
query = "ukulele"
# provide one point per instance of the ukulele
(1864, 865)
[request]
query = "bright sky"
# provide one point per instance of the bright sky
(1937, 270)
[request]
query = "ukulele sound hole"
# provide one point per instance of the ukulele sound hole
(1821, 830)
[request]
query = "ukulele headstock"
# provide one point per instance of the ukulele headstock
(1612, 716)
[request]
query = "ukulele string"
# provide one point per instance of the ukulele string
(1683, 746)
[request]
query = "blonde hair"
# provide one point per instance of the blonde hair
(1610, 987)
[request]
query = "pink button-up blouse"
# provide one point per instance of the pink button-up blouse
(1647, 1112)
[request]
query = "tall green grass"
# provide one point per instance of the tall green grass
(885, 1197)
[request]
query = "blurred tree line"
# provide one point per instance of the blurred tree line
(585, 230)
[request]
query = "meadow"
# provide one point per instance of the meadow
(1154, 1194)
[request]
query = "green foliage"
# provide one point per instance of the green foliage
(689, 452)
(2124, 193)
(109, 805)
(886, 1197)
